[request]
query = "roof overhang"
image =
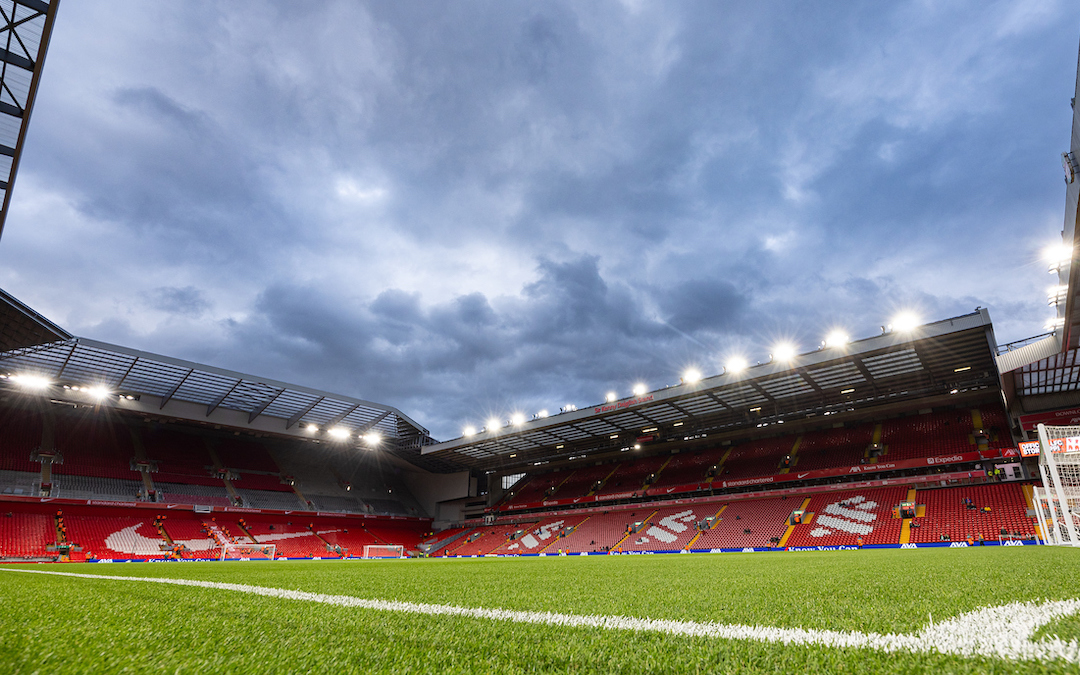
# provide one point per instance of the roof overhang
(25, 29)
(954, 355)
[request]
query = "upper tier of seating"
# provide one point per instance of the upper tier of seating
(909, 437)
(89, 454)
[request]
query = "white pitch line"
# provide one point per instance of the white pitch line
(1003, 631)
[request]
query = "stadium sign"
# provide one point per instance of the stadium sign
(1059, 418)
(612, 407)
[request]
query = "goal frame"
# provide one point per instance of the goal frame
(1055, 493)
(399, 550)
(267, 551)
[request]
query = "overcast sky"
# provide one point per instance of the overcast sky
(473, 208)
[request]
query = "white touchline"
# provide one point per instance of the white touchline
(1004, 631)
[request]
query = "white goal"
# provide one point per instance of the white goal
(248, 552)
(384, 551)
(1058, 501)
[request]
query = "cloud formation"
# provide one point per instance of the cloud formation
(483, 207)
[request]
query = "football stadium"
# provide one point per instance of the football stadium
(907, 501)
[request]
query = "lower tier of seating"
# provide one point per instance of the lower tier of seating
(841, 518)
(985, 511)
(750, 523)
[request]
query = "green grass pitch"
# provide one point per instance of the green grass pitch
(54, 624)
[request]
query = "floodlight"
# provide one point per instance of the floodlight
(517, 418)
(1058, 255)
(31, 381)
(98, 392)
(905, 322)
(735, 365)
(835, 339)
(339, 432)
(639, 389)
(691, 375)
(372, 437)
(612, 397)
(542, 414)
(493, 424)
(784, 351)
(1056, 294)
(1055, 323)
(469, 431)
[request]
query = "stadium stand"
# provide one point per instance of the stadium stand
(25, 535)
(19, 483)
(670, 528)
(239, 454)
(688, 467)
(20, 435)
(538, 537)
(630, 476)
(757, 458)
(92, 487)
(839, 518)
(948, 517)
(94, 445)
(483, 540)
(116, 536)
(765, 518)
(581, 482)
(601, 532)
(832, 447)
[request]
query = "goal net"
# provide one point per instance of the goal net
(1058, 501)
(248, 552)
(384, 551)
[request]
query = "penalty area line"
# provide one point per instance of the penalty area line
(1003, 631)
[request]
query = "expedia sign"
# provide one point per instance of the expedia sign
(952, 459)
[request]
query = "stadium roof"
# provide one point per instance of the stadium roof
(25, 29)
(152, 384)
(951, 356)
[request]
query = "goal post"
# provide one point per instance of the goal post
(248, 552)
(384, 551)
(1059, 499)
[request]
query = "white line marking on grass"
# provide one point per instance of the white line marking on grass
(1003, 632)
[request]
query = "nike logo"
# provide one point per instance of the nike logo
(804, 474)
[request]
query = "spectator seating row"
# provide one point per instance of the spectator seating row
(765, 518)
(947, 516)
(26, 534)
(910, 437)
(839, 518)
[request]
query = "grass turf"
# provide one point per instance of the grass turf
(56, 624)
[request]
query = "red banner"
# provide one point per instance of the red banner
(956, 458)
(1057, 418)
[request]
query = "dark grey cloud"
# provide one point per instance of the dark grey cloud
(462, 209)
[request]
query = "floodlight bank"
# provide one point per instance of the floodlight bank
(1002, 632)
